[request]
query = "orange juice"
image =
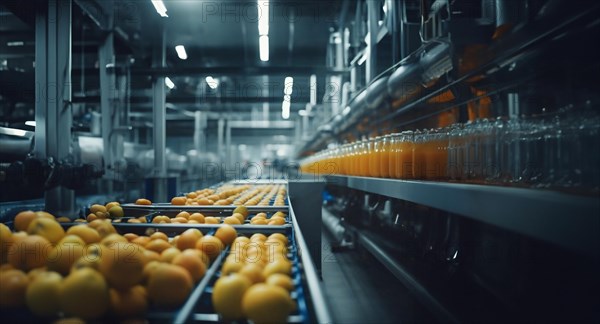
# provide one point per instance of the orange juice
(374, 157)
(384, 157)
(418, 156)
(393, 155)
(404, 156)
(364, 159)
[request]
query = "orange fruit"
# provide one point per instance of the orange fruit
(280, 237)
(259, 221)
(129, 303)
(178, 201)
(242, 210)
(116, 212)
(258, 237)
(159, 236)
(113, 238)
(23, 219)
(175, 240)
(91, 217)
(134, 221)
(158, 246)
(169, 254)
(276, 221)
(179, 220)
(29, 253)
(151, 256)
(33, 273)
(210, 245)
(192, 263)
(141, 241)
(143, 201)
(161, 218)
(84, 293)
(122, 265)
(46, 227)
(65, 253)
(211, 220)
(226, 233)
(197, 217)
(42, 295)
(253, 272)
(103, 226)
(149, 268)
(169, 285)
(130, 236)
(278, 266)
(281, 280)
(17, 236)
(98, 208)
(86, 233)
(231, 266)
(240, 217)
(112, 204)
(13, 286)
(232, 220)
(203, 257)
(203, 201)
(264, 303)
(227, 296)
(188, 239)
(6, 240)
(240, 241)
(183, 214)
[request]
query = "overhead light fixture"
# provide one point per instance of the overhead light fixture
(288, 85)
(30, 123)
(263, 29)
(263, 17)
(15, 43)
(302, 112)
(285, 109)
(160, 7)
(169, 83)
(263, 43)
(212, 82)
(181, 52)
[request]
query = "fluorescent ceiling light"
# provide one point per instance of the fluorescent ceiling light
(263, 43)
(181, 52)
(263, 17)
(169, 83)
(160, 7)
(285, 109)
(212, 82)
(15, 43)
(288, 85)
(30, 123)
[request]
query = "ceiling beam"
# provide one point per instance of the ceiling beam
(238, 70)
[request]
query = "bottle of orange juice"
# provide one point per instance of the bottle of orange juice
(374, 157)
(404, 155)
(418, 154)
(384, 156)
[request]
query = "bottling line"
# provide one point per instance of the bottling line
(273, 161)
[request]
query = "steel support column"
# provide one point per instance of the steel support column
(53, 114)
(373, 27)
(159, 121)
(106, 62)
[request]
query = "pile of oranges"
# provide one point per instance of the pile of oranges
(255, 282)
(90, 271)
(237, 217)
(248, 195)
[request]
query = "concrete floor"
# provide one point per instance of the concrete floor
(360, 290)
